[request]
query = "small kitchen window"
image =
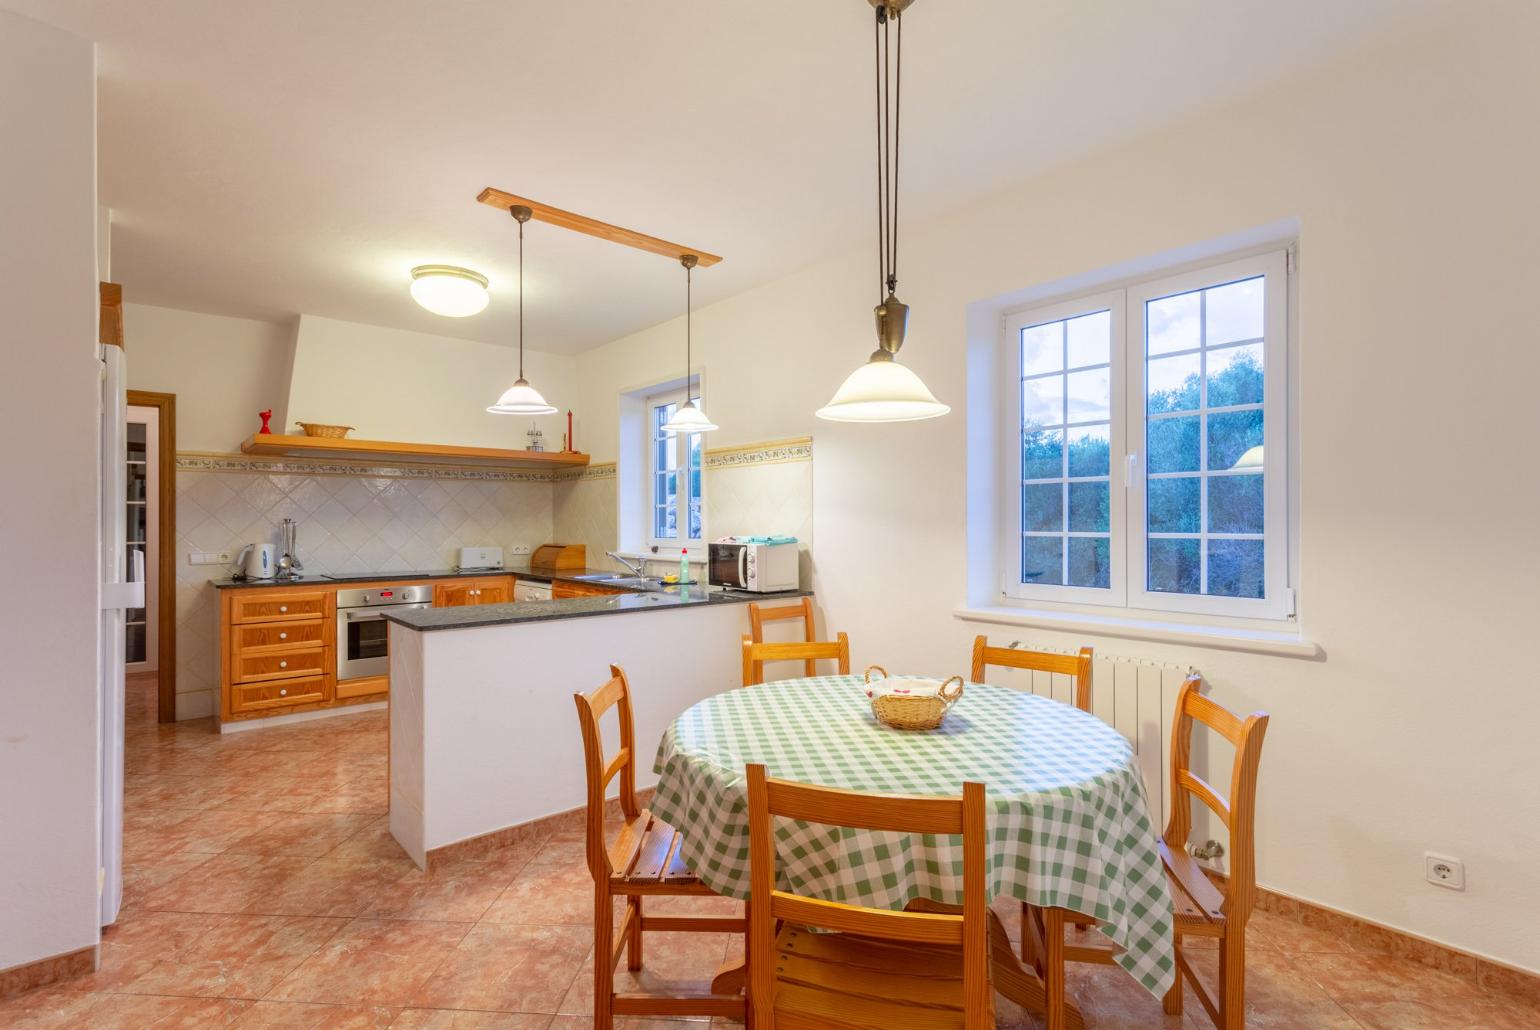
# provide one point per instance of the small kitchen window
(675, 479)
(1147, 466)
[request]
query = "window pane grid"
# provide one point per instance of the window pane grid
(1064, 518)
(1222, 429)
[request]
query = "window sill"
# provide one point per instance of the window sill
(1288, 645)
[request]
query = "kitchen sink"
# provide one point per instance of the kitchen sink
(602, 577)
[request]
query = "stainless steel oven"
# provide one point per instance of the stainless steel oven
(363, 635)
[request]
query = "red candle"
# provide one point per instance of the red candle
(569, 431)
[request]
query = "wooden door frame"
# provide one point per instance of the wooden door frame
(165, 610)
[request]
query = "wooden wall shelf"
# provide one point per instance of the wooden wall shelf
(273, 444)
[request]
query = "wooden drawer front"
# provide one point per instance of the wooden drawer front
(267, 665)
(252, 697)
(562, 588)
(260, 606)
(286, 636)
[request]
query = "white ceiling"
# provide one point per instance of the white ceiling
(282, 156)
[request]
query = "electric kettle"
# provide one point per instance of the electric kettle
(259, 561)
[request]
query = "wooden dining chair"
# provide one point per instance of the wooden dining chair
(1076, 666)
(882, 968)
(642, 861)
(756, 655)
(1202, 909)
(803, 609)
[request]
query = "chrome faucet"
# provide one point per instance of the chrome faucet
(639, 570)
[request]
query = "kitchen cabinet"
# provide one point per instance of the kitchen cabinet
(278, 650)
(561, 588)
(459, 593)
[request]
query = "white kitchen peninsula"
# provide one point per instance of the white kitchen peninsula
(483, 731)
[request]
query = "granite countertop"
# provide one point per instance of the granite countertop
(401, 576)
(430, 619)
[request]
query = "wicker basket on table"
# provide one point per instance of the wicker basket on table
(920, 706)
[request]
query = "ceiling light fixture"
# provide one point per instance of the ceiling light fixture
(449, 291)
(521, 398)
(882, 390)
(688, 417)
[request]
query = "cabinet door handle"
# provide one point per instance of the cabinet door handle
(283, 636)
(283, 693)
(283, 607)
(283, 665)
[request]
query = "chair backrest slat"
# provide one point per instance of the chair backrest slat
(828, 806)
(1239, 812)
(1077, 666)
(755, 655)
(922, 928)
(899, 813)
(759, 615)
(590, 708)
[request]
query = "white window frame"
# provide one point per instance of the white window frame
(1127, 490)
(1012, 532)
(676, 396)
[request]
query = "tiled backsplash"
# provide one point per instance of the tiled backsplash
(355, 518)
(347, 523)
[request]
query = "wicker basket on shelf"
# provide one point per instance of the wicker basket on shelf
(911, 703)
(322, 429)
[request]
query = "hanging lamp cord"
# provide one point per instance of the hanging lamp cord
(889, 77)
(688, 332)
(521, 299)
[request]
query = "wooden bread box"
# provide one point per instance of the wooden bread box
(559, 557)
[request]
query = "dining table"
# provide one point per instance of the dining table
(1067, 819)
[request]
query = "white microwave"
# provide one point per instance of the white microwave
(760, 568)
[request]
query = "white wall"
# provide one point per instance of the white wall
(222, 370)
(1413, 172)
(49, 709)
(394, 384)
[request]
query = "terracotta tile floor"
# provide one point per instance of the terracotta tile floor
(263, 890)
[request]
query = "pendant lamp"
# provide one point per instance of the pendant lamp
(521, 398)
(882, 390)
(688, 417)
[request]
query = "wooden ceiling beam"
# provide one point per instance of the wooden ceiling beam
(593, 227)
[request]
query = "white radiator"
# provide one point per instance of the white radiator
(1133, 695)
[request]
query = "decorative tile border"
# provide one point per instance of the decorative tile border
(198, 461)
(598, 470)
(775, 452)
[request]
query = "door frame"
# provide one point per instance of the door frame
(165, 602)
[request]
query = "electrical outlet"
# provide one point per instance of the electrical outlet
(209, 558)
(1443, 871)
(519, 549)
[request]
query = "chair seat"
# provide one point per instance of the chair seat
(844, 980)
(645, 858)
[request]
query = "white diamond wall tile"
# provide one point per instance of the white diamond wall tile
(585, 514)
(346, 524)
(772, 499)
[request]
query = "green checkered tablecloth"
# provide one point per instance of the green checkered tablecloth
(1069, 822)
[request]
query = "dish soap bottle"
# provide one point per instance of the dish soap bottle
(684, 566)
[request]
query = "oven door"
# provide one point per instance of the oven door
(728, 566)
(363, 638)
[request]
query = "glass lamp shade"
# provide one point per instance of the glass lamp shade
(882, 390)
(689, 419)
(1252, 459)
(521, 399)
(449, 291)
